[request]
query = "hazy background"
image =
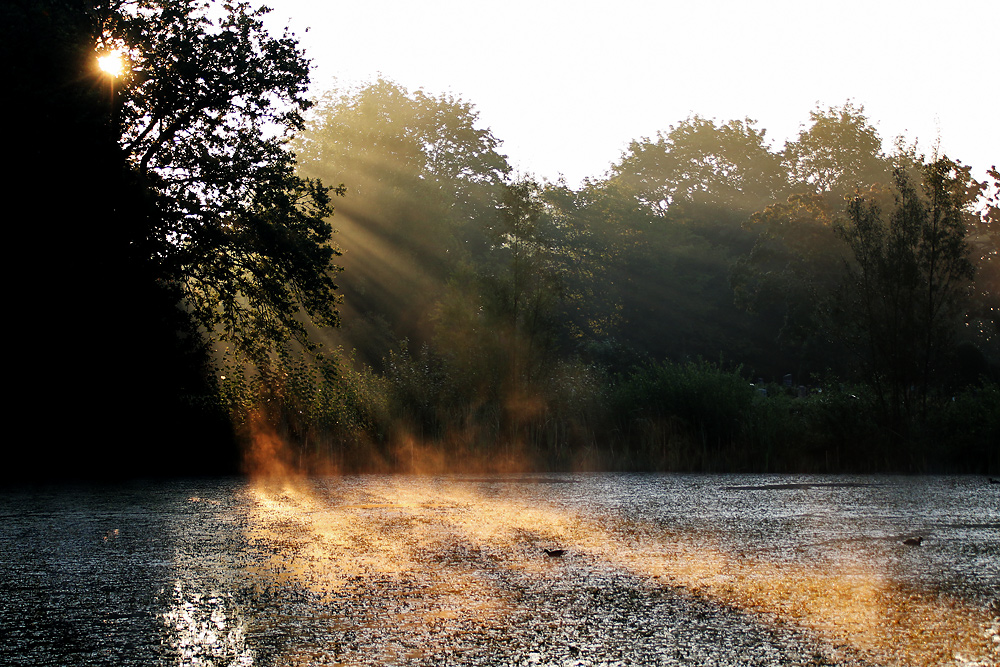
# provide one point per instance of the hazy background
(566, 85)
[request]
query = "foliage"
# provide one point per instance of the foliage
(655, 284)
(329, 412)
(419, 383)
(840, 152)
(524, 284)
(792, 272)
(631, 268)
(424, 183)
(551, 326)
(382, 129)
(166, 209)
(416, 164)
(600, 230)
(697, 185)
(789, 277)
(697, 162)
(699, 403)
(203, 117)
(909, 274)
(962, 432)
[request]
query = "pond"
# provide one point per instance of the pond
(453, 570)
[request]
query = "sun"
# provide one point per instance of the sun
(112, 63)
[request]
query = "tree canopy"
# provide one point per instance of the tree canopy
(423, 182)
(701, 162)
(163, 212)
(203, 116)
(411, 160)
(839, 152)
(907, 283)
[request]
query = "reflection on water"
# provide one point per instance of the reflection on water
(202, 631)
(795, 560)
(373, 570)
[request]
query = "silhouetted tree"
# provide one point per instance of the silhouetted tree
(790, 276)
(907, 280)
(167, 208)
(203, 116)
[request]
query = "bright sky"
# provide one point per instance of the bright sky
(567, 84)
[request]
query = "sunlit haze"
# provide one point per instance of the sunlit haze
(566, 85)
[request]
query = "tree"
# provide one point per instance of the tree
(495, 322)
(527, 284)
(601, 228)
(791, 274)
(203, 117)
(161, 209)
(700, 181)
(399, 151)
(840, 152)
(697, 162)
(424, 183)
(908, 278)
(795, 265)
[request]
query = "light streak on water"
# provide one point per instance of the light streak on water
(452, 536)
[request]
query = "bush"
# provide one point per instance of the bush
(688, 415)
(962, 433)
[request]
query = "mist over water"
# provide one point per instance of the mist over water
(450, 569)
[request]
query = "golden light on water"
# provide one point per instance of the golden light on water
(448, 536)
(457, 548)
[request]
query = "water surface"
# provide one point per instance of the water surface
(405, 570)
